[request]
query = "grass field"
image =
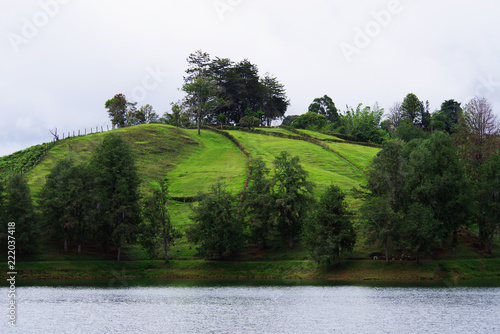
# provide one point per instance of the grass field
(359, 155)
(157, 149)
(318, 135)
(216, 158)
(324, 167)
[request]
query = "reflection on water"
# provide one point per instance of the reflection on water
(256, 309)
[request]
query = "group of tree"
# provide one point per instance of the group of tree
(94, 203)
(419, 194)
(364, 123)
(222, 91)
(16, 206)
(125, 113)
(281, 206)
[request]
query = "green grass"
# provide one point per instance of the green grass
(216, 158)
(280, 130)
(359, 155)
(318, 135)
(324, 167)
(157, 149)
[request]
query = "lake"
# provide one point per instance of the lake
(253, 307)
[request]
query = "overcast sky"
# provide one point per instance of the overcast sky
(60, 60)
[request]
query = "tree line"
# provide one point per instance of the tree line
(218, 91)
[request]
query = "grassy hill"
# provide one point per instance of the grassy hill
(192, 163)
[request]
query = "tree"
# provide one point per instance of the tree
(202, 97)
(146, 115)
(156, 227)
(217, 230)
(395, 115)
(487, 213)
(20, 210)
(330, 233)
(117, 109)
(118, 182)
(309, 120)
(450, 112)
(436, 181)
(364, 123)
(288, 120)
(385, 202)
(480, 119)
(274, 100)
(258, 203)
(68, 201)
(325, 106)
(412, 107)
(293, 196)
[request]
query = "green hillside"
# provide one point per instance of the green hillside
(192, 163)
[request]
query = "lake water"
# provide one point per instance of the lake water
(254, 308)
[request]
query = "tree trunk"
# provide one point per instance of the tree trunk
(80, 249)
(119, 251)
(386, 254)
(290, 241)
(65, 244)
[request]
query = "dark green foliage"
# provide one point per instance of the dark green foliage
(117, 109)
(383, 208)
(258, 204)
(68, 201)
(293, 196)
(330, 233)
(118, 182)
(418, 194)
(310, 120)
(240, 86)
(407, 131)
(325, 106)
(156, 228)
(20, 210)
(436, 178)
(217, 230)
(412, 108)
(288, 120)
(487, 191)
(450, 113)
(363, 123)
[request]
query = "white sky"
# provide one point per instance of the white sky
(60, 60)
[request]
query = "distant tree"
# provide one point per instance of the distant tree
(487, 190)
(477, 135)
(407, 131)
(310, 120)
(217, 230)
(156, 228)
(251, 119)
(118, 182)
(202, 97)
(68, 202)
(258, 203)
(293, 196)
(364, 123)
(175, 117)
(395, 114)
(450, 112)
(288, 120)
(325, 106)
(435, 179)
(480, 119)
(385, 203)
(274, 100)
(412, 107)
(146, 115)
(20, 210)
(330, 233)
(117, 109)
